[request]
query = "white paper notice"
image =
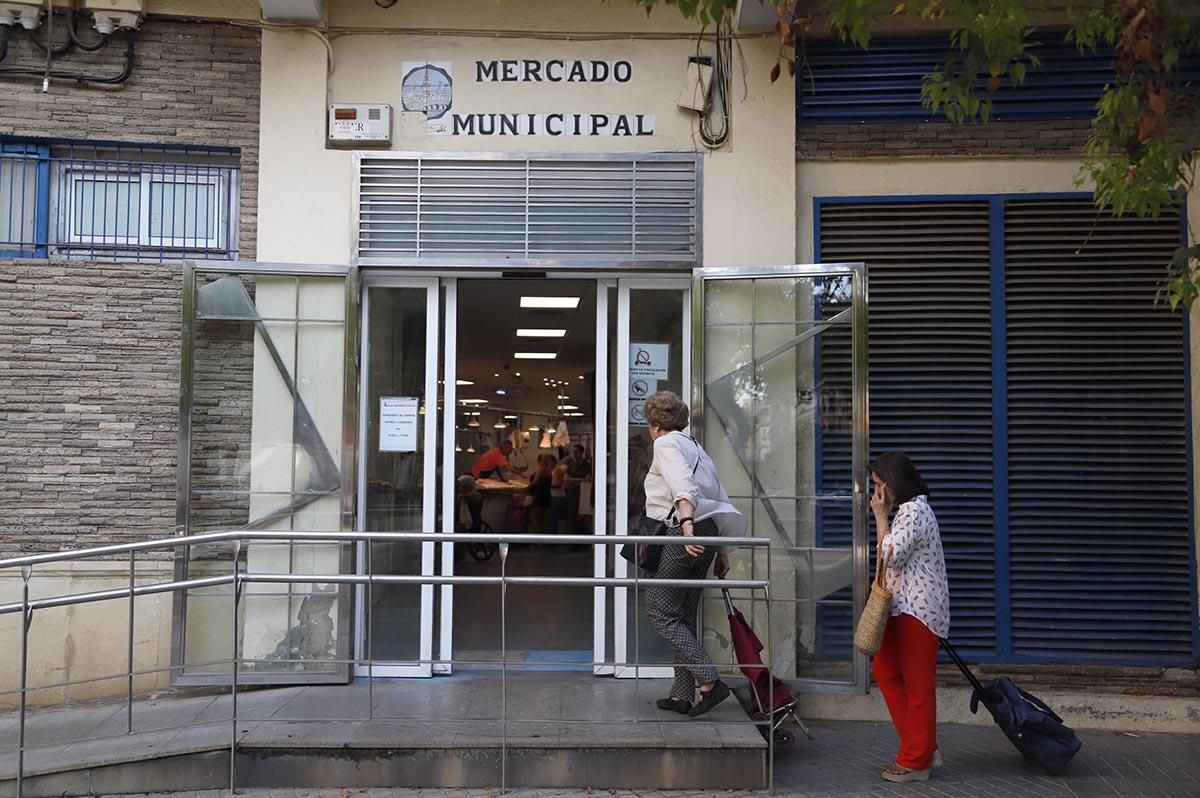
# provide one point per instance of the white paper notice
(398, 423)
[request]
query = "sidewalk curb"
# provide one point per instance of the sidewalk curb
(1173, 715)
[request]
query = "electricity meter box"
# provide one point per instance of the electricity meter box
(360, 124)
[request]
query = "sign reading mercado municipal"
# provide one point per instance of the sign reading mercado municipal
(428, 87)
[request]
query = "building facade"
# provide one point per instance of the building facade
(232, 303)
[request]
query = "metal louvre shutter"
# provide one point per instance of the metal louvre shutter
(838, 83)
(633, 209)
(1098, 438)
(930, 377)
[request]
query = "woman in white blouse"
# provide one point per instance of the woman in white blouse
(906, 666)
(683, 489)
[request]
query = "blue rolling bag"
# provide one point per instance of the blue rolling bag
(1030, 725)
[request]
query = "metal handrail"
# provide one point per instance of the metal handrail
(415, 537)
(28, 606)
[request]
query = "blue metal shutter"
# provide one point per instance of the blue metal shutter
(1098, 438)
(838, 83)
(930, 378)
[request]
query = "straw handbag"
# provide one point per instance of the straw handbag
(868, 635)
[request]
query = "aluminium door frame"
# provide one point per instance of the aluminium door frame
(424, 666)
(622, 668)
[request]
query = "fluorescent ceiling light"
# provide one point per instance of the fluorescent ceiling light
(558, 302)
(534, 332)
(535, 355)
(463, 382)
(572, 415)
(474, 401)
(569, 407)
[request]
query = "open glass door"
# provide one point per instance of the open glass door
(266, 391)
(397, 470)
(782, 382)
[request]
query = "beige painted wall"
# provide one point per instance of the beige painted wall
(306, 189)
(85, 643)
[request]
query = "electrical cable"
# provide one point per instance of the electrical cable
(48, 47)
(126, 72)
(73, 33)
(715, 121)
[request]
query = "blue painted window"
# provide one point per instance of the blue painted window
(1044, 396)
(839, 83)
(114, 200)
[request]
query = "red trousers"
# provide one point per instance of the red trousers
(906, 671)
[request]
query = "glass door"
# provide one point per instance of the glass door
(652, 352)
(264, 392)
(397, 471)
(782, 392)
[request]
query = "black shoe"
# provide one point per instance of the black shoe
(680, 705)
(708, 700)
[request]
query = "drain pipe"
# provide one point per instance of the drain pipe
(49, 45)
(503, 668)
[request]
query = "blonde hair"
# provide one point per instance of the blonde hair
(666, 410)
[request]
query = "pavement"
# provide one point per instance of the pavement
(844, 759)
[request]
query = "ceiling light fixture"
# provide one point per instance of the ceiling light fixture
(533, 332)
(535, 355)
(463, 382)
(474, 401)
(556, 302)
(473, 423)
(569, 407)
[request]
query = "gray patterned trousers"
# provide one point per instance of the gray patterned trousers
(672, 613)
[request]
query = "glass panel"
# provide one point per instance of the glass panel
(267, 386)
(107, 208)
(655, 317)
(777, 424)
(18, 201)
(183, 211)
(395, 465)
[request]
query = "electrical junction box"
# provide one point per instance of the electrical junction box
(111, 15)
(358, 124)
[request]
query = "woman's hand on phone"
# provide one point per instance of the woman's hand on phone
(881, 502)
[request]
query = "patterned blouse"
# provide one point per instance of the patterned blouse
(916, 573)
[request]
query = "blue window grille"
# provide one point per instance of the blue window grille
(838, 83)
(118, 201)
(1044, 396)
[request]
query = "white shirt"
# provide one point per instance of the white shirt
(916, 572)
(681, 469)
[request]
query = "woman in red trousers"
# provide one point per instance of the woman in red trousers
(905, 667)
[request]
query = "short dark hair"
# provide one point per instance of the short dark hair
(900, 475)
(506, 442)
